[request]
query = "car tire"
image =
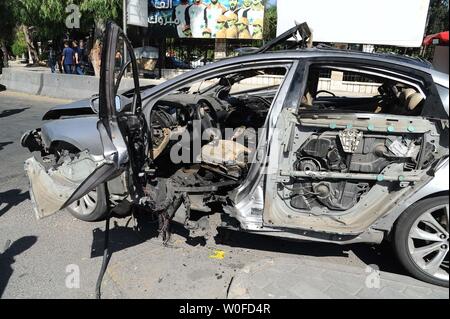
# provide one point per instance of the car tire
(421, 240)
(91, 207)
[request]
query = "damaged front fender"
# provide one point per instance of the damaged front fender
(52, 189)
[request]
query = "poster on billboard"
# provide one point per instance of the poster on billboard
(221, 19)
(137, 13)
(382, 22)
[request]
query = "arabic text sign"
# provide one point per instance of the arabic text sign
(384, 22)
(227, 19)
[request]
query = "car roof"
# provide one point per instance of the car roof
(388, 56)
(310, 53)
(318, 52)
(329, 52)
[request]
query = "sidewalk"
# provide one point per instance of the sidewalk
(288, 278)
(23, 66)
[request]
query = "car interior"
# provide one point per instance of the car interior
(228, 110)
(357, 90)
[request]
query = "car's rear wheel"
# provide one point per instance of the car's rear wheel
(91, 207)
(421, 240)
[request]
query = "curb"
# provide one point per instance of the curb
(289, 278)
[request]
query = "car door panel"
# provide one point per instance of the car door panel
(309, 192)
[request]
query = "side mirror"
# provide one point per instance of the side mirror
(118, 102)
(94, 103)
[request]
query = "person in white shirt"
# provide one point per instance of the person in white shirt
(212, 13)
(179, 15)
(196, 18)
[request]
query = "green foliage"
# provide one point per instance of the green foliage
(102, 10)
(438, 17)
(270, 23)
(47, 17)
(19, 45)
(6, 21)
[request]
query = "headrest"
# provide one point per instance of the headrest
(414, 100)
(405, 94)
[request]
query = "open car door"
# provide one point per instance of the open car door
(58, 187)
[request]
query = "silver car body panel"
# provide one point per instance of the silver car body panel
(80, 132)
(75, 108)
(439, 184)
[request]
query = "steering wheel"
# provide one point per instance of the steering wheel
(324, 91)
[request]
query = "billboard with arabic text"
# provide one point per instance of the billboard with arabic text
(226, 19)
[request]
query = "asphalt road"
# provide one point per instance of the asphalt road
(39, 258)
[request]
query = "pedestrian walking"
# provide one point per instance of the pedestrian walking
(77, 62)
(67, 58)
(59, 59)
(52, 58)
(83, 59)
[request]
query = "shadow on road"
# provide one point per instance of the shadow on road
(3, 144)
(2, 88)
(12, 198)
(7, 258)
(123, 237)
(6, 113)
(381, 255)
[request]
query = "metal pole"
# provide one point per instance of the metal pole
(125, 53)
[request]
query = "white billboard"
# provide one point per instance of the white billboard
(383, 22)
(137, 13)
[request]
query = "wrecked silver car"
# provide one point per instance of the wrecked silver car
(266, 141)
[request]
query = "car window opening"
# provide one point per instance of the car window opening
(332, 89)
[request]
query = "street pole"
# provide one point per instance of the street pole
(125, 53)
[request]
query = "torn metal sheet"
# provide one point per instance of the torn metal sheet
(51, 189)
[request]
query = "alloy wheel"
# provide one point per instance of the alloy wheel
(87, 204)
(428, 242)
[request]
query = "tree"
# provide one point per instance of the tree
(100, 11)
(37, 19)
(270, 22)
(19, 46)
(41, 20)
(6, 28)
(437, 17)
